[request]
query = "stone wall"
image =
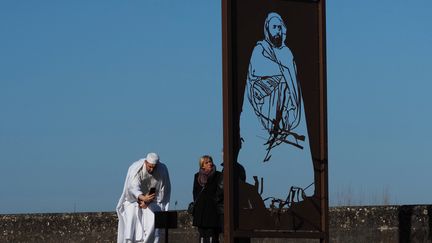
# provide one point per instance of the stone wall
(347, 224)
(410, 223)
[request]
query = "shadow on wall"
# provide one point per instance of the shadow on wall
(429, 209)
(405, 216)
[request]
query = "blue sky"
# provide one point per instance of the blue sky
(88, 87)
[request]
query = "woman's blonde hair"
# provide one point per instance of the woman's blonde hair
(203, 159)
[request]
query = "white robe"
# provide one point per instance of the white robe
(137, 224)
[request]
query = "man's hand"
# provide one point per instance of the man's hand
(142, 204)
(145, 200)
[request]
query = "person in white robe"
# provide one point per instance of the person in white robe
(137, 204)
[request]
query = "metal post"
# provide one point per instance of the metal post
(323, 123)
(228, 116)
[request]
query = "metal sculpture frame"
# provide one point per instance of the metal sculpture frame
(231, 130)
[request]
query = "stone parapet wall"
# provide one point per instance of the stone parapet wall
(61, 227)
(347, 224)
(409, 223)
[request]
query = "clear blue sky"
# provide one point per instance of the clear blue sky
(88, 87)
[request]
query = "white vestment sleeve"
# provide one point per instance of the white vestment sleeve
(134, 187)
(165, 190)
(127, 209)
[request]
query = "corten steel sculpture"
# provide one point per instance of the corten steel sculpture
(274, 85)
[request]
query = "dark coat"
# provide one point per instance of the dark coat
(208, 209)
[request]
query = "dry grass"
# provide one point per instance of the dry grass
(347, 196)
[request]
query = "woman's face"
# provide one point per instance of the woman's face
(207, 165)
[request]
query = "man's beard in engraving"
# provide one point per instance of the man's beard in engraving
(276, 40)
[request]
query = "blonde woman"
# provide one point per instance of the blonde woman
(208, 198)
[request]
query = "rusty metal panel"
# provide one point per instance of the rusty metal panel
(274, 86)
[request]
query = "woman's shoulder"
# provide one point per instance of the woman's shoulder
(218, 175)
